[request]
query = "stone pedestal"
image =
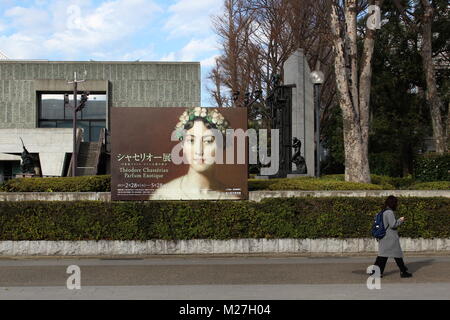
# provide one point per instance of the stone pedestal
(296, 71)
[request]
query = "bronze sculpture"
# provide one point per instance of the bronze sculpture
(297, 158)
(27, 165)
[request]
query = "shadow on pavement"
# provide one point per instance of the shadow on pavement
(413, 267)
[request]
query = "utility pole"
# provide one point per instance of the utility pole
(76, 108)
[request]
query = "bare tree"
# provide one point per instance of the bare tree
(216, 92)
(258, 36)
(234, 28)
(353, 79)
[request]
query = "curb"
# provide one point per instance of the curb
(260, 195)
(256, 196)
(199, 247)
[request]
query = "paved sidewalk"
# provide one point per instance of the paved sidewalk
(418, 291)
(223, 278)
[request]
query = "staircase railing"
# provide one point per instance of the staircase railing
(98, 152)
(101, 143)
(78, 143)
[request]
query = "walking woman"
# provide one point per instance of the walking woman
(389, 246)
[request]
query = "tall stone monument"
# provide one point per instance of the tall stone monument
(297, 72)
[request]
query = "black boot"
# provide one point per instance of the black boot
(403, 269)
(405, 274)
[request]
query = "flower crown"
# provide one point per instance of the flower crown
(212, 116)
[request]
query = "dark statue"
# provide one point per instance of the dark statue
(279, 101)
(276, 80)
(27, 165)
(297, 159)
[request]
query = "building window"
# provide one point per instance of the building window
(92, 118)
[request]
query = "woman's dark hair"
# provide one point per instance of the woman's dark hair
(190, 123)
(391, 202)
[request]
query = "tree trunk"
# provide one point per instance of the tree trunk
(365, 86)
(432, 96)
(356, 167)
(447, 130)
(352, 37)
(355, 118)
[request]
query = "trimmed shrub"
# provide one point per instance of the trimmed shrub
(337, 177)
(386, 182)
(390, 183)
(309, 183)
(69, 184)
(181, 220)
(435, 185)
(316, 184)
(432, 167)
(259, 184)
(328, 182)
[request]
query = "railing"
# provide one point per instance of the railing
(101, 143)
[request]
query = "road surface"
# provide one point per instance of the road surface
(222, 278)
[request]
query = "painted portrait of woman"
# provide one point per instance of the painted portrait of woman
(195, 131)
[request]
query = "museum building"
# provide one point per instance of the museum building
(33, 108)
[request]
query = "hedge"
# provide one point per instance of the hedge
(177, 220)
(67, 184)
(331, 182)
(386, 182)
(328, 182)
(337, 182)
(103, 184)
(432, 167)
(436, 185)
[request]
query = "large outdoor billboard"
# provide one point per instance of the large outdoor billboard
(179, 154)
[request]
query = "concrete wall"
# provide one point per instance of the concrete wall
(51, 145)
(253, 195)
(198, 247)
(260, 195)
(129, 84)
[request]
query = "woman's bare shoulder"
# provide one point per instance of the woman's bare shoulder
(169, 190)
(175, 183)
